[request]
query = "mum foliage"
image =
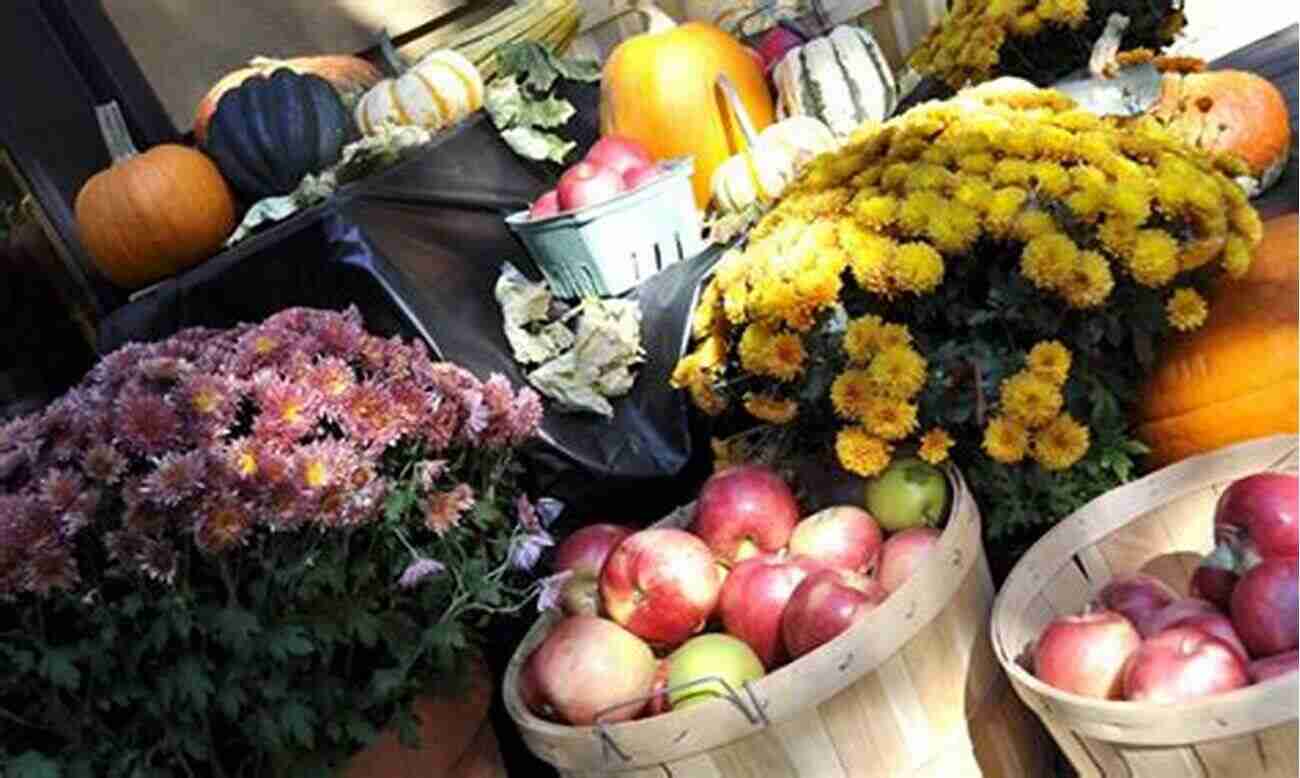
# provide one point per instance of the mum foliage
(243, 552)
(986, 276)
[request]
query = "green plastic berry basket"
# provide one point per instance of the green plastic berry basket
(608, 249)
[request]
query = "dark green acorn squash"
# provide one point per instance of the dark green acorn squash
(269, 132)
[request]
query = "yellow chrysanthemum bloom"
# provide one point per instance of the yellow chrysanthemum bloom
(1001, 210)
(1050, 360)
(917, 210)
(875, 212)
(978, 163)
(861, 453)
(1246, 221)
(1089, 283)
(954, 228)
(1047, 260)
(973, 192)
(1034, 223)
(889, 336)
(1154, 258)
(889, 418)
(1186, 310)
(772, 410)
(1030, 400)
(1117, 235)
(1011, 171)
(1006, 440)
(860, 338)
(1236, 256)
(1051, 179)
(851, 394)
(870, 259)
(755, 347)
(786, 358)
(706, 398)
(898, 371)
(1061, 443)
(1129, 200)
(935, 445)
(1068, 12)
(917, 268)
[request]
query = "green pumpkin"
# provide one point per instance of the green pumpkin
(269, 132)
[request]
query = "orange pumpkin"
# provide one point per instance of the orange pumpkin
(658, 88)
(1238, 376)
(151, 215)
(350, 76)
(1229, 111)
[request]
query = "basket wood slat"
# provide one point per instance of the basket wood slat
(1160, 525)
(914, 690)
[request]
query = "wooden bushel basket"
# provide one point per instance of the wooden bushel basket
(1158, 525)
(912, 690)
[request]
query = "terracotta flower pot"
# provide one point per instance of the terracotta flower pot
(456, 739)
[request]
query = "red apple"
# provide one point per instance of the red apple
(662, 584)
(1182, 663)
(1215, 625)
(1216, 576)
(642, 174)
(744, 511)
(824, 605)
(1085, 654)
(902, 553)
(587, 665)
(755, 595)
(1135, 596)
(843, 536)
(584, 553)
(1264, 607)
(530, 690)
(1262, 513)
(1272, 666)
(619, 153)
(1158, 621)
(545, 206)
(587, 184)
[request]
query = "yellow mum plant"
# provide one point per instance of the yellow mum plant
(983, 278)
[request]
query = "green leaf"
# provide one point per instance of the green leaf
(30, 764)
(231, 699)
(235, 627)
(193, 682)
(574, 69)
(57, 667)
(503, 102)
(299, 722)
(528, 59)
(359, 729)
(535, 144)
(547, 112)
(365, 627)
(290, 641)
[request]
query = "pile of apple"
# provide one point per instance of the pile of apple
(655, 616)
(1140, 640)
(613, 165)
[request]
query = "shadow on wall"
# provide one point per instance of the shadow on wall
(183, 46)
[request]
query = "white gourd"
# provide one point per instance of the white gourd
(842, 79)
(441, 89)
(772, 159)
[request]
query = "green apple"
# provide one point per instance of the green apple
(909, 493)
(714, 654)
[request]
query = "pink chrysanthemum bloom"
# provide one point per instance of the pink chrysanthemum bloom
(440, 424)
(59, 489)
(118, 367)
(241, 459)
(331, 377)
(285, 411)
(373, 352)
(71, 523)
(443, 509)
(50, 566)
(323, 463)
(419, 570)
(146, 518)
(125, 548)
(476, 416)
(369, 416)
(364, 503)
(526, 416)
(261, 347)
(146, 422)
(293, 319)
(103, 464)
(411, 402)
(499, 398)
(176, 477)
(211, 400)
(340, 334)
(157, 560)
(223, 523)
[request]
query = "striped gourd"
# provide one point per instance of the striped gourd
(842, 79)
(441, 89)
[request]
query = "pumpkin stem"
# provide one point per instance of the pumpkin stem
(656, 21)
(389, 54)
(112, 126)
(738, 109)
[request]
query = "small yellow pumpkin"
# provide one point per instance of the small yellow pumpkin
(441, 89)
(772, 159)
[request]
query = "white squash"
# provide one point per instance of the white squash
(772, 159)
(842, 79)
(441, 89)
